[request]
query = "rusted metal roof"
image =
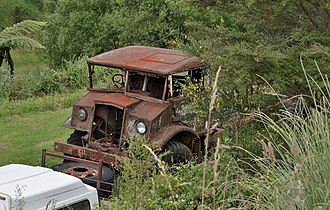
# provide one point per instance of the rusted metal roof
(146, 59)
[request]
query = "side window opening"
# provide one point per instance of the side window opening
(156, 86)
(184, 78)
(178, 82)
(82, 205)
(135, 81)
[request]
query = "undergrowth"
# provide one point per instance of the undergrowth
(44, 81)
(290, 175)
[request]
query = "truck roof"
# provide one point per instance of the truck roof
(38, 186)
(147, 60)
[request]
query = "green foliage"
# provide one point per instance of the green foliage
(12, 12)
(199, 99)
(143, 184)
(5, 81)
(68, 78)
(299, 178)
(257, 50)
(17, 36)
(92, 27)
(258, 45)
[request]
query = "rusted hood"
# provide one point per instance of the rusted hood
(148, 110)
(137, 107)
(118, 100)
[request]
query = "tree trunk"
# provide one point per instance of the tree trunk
(2, 56)
(5, 55)
(10, 62)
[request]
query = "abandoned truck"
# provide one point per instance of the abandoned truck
(146, 100)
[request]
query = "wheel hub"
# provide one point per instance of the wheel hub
(81, 171)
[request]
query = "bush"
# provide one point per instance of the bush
(146, 182)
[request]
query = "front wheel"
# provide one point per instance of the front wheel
(176, 152)
(75, 139)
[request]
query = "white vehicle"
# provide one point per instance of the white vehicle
(33, 188)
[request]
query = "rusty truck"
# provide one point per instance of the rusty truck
(145, 101)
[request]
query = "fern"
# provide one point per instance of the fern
(18, 35)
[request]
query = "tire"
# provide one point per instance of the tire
(88, 173)
(75, 138)
(178, 153)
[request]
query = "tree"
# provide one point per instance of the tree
(93, 26)
(260, 40)
(18, 36)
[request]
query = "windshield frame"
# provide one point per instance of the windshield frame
(143, 88)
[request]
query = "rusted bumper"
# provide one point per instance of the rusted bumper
(82, 155)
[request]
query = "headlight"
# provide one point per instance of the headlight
(141, 127)
(82, 114)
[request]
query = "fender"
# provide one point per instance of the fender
(179, 133)
(67, 122)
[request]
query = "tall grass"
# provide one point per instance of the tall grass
(299, 178)
(301, 174)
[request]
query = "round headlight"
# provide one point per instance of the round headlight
(82, 114)
(141, 127)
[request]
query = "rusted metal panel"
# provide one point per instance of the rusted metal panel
(87, 153)
(84, 125)
(146, 59)
(89, 99)
(166, 133)
(46, 153)
(119, 101)
(147, 110)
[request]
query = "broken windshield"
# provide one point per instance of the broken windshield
(146, 85)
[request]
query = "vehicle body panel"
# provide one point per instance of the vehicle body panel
(146, 59)
(41, 187)
(187, 136)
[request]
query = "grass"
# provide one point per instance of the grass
(52, 102)
(302, 173)
(23, 137)
(26, 61)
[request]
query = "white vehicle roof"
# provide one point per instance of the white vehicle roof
(34, 187)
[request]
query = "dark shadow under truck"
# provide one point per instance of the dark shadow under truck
(146, 102)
